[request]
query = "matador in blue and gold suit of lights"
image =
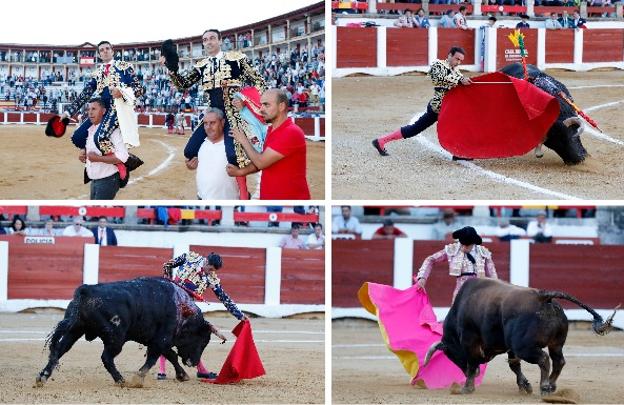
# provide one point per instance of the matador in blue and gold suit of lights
(115, 74)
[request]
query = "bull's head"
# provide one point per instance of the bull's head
(564, 137)
(454, 352)
(192, 340)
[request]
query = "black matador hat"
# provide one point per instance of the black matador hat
(56, 126)
(467, 236)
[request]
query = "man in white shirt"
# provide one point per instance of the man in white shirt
(77, 229)
(346, 223)
(460, 18)
(506, 231)
(316, 240)
(539, 230)
(213, 182)
(102, 170)
(552, 23)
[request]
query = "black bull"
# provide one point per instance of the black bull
(151, 311)
(490, 317)
(564, 136)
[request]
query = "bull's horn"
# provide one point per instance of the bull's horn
(573, 120)
(607, 325)
(434, 347)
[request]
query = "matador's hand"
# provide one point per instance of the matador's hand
(466, 81)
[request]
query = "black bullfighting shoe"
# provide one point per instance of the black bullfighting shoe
(455, 158)
(210, 375)
(161, 376)
(381, 150)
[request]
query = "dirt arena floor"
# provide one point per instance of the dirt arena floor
(292, 351)
(36, 167)
(365, 107)
(364, 371)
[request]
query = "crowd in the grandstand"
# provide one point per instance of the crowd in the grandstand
(301, 72)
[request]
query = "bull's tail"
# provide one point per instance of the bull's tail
(598, 325)
(72, 315)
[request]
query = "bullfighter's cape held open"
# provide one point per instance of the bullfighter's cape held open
(497, 120)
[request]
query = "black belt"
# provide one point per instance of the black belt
(467, 274)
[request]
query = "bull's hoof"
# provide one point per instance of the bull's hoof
(525, 388)
(467, 389)
(121, 383)
(41, 380)
(182, 377)
(547, 389)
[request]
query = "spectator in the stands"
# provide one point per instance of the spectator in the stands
(506, 231)
(460, 18)
(18, 227)
(579, 22)
(388, 231)
(48, 229)
(406, 20)
(565, 20)
(491, 22)
(346, 223)
(421, 19)
(446, 225)
(524, 23)
(104, 235)
(316, 240)
(77, 228)
(293, 241)
(552, 23)
(447, 20)
(539, 229)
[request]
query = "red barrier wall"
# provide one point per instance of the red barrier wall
(356, 47)
(449, 37)
(506, 53)
(30, 118)
(440, 285)
(125, 263)
(242, 274)
(303, 277)
(45, 271)
(307, 125)
(603, 45)
(355, 262)
(559, 46)
(407, 47)
(143, 119)
(593, 274)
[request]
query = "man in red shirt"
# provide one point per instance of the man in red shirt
(283, 159)
(388, 231)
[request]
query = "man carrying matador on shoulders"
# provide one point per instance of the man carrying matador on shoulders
(222, 75)
(116, 84)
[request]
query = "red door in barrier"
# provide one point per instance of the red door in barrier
(303, 276)
(355, 262)
(407, 47)
(45, 271)
(603, 45)
(450, 37)
(356, 47)
(559, 46)
(506, 53)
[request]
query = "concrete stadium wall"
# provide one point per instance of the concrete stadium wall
(593, 274)
(269, 282)
(387, 51)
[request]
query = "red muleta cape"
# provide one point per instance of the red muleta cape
(243, 362)
(497, 120)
